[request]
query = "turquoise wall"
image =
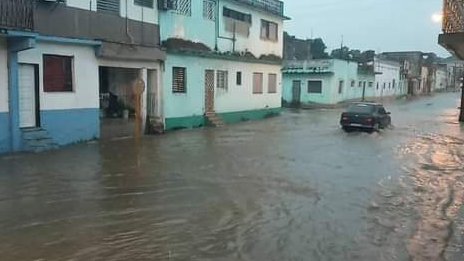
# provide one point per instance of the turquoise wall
(199, 29)
(341, 71)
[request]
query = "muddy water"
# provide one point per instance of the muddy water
(288, 188)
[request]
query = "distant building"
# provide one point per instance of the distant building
(325, 82)
(389, 80)
(455, 71)
(297, 49)
(441, 78)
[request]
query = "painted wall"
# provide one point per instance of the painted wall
(133, 11)
(440, 80)
(387, 73)
(338, 71)
(196, 28)
(235, 99)
(69, 116)
(4, 118)
(83, 4)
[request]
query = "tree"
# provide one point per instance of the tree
(318, 48)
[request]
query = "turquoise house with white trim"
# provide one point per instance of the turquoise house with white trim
(325, 82)
(224, 61)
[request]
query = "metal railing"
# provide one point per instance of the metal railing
(17, 14)
(453, 16)
(272, 6)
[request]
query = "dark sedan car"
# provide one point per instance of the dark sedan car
(365, 115)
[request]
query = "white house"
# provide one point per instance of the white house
(223, 60)
(389, 81)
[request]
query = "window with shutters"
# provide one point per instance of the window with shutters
(353, 83)
(314, 86)
(257, 83)
(239, 78)
(272, 83)
(221, 77)
(371, 84)
(109, 6)
(209, 9)
(179, 80)
(57, 73)
(340, 87)
(269, 30)
(183, 7)
(236, 15)
(360, 84)
(144, 3)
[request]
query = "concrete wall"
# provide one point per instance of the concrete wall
(198, 29)
(326, 97)
(4, 119)
(440, 80)
(84, 24)
(386, 73)
(69, 116)
(135, 12)
(236, 99)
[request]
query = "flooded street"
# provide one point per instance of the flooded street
(294, 187)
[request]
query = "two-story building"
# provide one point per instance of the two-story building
(223, 60)
(325, 82)
(71, 65)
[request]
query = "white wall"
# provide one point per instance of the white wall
(386, 72)
(139, 13)
(440, 80)
(3, 76)
(253, 42)
(134, 12)
(85, 74)
(83, 4)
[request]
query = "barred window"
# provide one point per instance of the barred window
(257, 83)
(179, 80)
(209, 9)
(222, 82)
(272, 83)
(239, 78)
(184, 7)
(144, 3)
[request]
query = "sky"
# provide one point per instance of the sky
(380, 25)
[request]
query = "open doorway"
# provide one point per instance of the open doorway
(118, 102)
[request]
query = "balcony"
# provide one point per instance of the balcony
(453, 27)
(271, 6)
(17, 14)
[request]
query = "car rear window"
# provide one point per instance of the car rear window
(361, 108)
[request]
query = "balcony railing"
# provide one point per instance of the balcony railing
(17, 14)
(453, 16)
(272, 6)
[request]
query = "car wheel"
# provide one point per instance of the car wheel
(346, 129)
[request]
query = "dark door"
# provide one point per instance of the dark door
(296, 92)
(209, 91)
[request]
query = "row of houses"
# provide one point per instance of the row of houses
(78, 70)
(321, 82)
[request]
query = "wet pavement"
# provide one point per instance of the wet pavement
(289, 188)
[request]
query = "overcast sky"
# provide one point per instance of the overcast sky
(380, 25)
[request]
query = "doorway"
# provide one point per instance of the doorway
(29, 105)
(296, 93)
(209, 91)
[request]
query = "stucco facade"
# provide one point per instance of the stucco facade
(4, 119)
(340, 81)
(229, 40)
(388, 80)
